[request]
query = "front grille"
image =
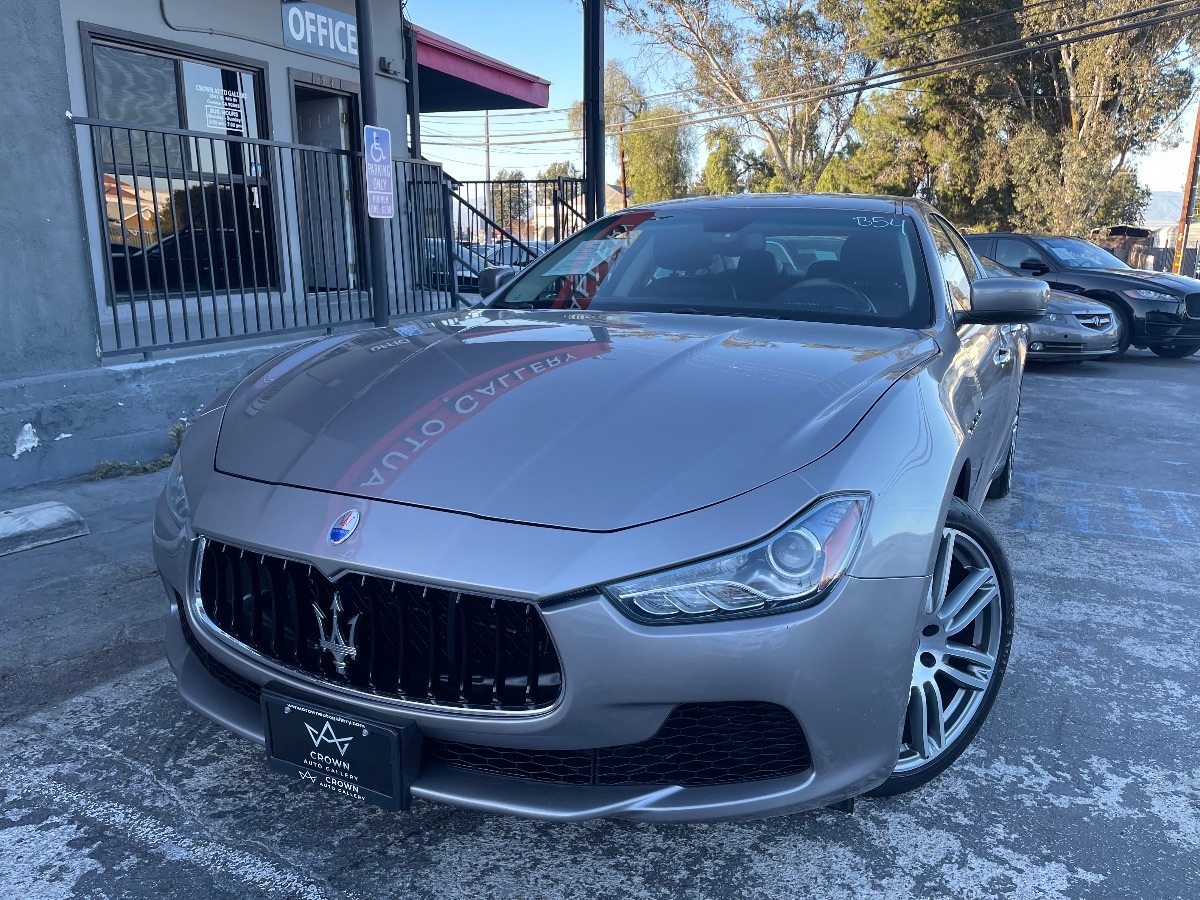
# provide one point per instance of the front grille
(699, 744)
(389, 639)
(1095, 321)
(1193, 306)
(226, 676)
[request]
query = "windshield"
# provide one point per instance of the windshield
(813, 264)
(1077, 254)
(993, 269)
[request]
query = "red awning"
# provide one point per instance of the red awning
(454, 78)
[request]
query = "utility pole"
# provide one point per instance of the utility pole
(487, 148)
(367, 63)
(621, 157)
(1190, 199)
(593, 108)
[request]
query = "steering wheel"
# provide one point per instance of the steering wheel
(842, 295)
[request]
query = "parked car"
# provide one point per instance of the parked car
(508, 253)
(196, 260)
(435, 271)
(1158, 311)
(1075, 328)
(657, 531)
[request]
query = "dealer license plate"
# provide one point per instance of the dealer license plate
(341, 753)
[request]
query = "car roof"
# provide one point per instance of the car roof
(873, 203)
(1023, 234)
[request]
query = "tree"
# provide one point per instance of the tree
(512, 206)
(558, 170)
(737, 53)
(659, 161)
(623, 100)
(1036, 142)
(723, 168)
(206, 206)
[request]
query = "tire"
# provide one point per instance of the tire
(976, 622)
(1001, 485)
(1126, 336)
(1175, 351)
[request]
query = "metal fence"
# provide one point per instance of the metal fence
(510, 223)
(213, 238)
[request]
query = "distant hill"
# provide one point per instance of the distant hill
(1164, 208)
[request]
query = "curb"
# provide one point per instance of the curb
(42, 523)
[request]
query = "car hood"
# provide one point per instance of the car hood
(1073, 304)
(574, 420)
(1164, 281)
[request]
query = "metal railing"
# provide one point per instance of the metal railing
(511, 223)
(213, 238)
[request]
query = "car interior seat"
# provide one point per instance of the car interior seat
(690, 260)
(759, 275)
(870, 260)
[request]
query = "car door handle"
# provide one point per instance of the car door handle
(1003, 356)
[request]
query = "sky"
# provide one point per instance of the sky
(545, 37)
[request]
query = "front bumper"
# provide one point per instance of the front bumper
(1070, 340)
(1162, 328)
(842, 668)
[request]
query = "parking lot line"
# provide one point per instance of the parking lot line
(1091, 508)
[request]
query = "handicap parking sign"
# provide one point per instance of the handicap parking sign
(377, 160)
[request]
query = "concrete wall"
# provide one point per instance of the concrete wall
(53, 250)
(74, 420)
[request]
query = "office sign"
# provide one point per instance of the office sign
(377, 159)
(320, 30)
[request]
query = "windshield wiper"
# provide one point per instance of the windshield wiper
(740, 313)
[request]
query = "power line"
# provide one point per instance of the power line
(789, 99)
(889, 77)
(895, 38)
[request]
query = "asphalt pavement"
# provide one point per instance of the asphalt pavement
(1085, 781)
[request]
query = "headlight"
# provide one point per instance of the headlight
(1152, 295)
(791, 569)
(177, 500)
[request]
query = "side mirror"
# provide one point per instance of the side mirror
(1036, 266)
(1005, 301)
(493, 278)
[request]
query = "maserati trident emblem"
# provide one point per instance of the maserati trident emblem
(341, 648)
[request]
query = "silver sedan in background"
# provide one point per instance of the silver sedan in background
(1074, 329)
(665, 529)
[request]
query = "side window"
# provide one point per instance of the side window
(1012, 252)
(983, 246)
(964, 251)
(958, 282)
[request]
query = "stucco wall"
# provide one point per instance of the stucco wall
(62, 425)
(53, 250)
(47, 306)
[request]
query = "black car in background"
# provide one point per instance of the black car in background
(196, 260)
(1158, 310)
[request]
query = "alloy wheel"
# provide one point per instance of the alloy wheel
(962, 628)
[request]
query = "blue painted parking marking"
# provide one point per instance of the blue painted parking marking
(1084, 507)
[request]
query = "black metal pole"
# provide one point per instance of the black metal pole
(593, 107)
(376, 235)
(413, 90)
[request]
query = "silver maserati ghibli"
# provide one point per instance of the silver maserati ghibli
(680, 523)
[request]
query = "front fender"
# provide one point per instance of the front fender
(908, 452)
